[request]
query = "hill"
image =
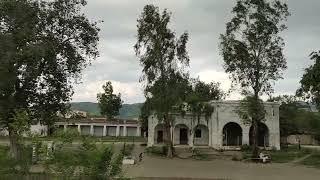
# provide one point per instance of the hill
(127, 110)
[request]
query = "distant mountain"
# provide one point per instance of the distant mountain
(127, 110)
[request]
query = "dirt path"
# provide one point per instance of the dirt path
(218, 169)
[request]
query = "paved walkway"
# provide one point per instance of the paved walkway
(218, 169)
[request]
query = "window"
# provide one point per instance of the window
(198, 133)
(272, 112)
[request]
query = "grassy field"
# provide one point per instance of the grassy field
(290, 154)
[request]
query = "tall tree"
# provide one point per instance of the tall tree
(197, 101)
(310, 82)
(253, 50)
(45, 45)
(163, 58)
(109, 103)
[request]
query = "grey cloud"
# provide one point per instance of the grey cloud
(204, 20)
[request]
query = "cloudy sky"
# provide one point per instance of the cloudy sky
(204, 20)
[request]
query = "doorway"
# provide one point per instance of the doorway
(183, 136)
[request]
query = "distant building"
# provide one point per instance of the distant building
(102, 127)
(223, 130)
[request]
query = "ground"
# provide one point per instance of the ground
(218, 169)
(155, 167)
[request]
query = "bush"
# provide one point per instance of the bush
(127, 149)
(157, 150)
(246, 147)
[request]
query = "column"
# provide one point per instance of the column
(104, 133)
(124, 130)
(245, 135)
(138, 131)
(118, 131)
(91, 130)
(79, 129)
(191, 138)
(65, 128)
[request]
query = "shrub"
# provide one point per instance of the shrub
(246, 147)
(157, 150)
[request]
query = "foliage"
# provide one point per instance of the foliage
(126, 111)
(44, 46)
(199, 96)
(250, 108)
(163, 58)
(313, 160)
(294, 119)
(88, 160)
(310, 82)
(157, 150)
(109, 103)
(66, 137)
(252, 51)
(127, 149)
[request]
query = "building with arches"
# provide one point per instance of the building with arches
(223, 130)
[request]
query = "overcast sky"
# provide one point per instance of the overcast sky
(204, 20)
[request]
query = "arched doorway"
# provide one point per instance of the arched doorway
(201, 135)
(263, 135)
(232, 134)
(181, 134)
(159, 134)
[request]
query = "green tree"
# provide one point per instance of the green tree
(310, 82)
(109, 103)
(197, 101)
(163, 58)
(45, 45)
(252, 51)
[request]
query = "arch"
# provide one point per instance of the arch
(181, 134)
(201, 135)
(159, 134)
(232, 134)
(263, 135)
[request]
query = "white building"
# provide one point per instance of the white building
(102, 127)
(223, 130)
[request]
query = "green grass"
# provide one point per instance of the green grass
(284, 155)
(313, 160)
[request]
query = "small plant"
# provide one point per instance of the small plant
(157, 150)
(246, 147)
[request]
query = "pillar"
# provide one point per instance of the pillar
(245, 135)
(65, 128)
(79, 129)
(118, 131)
(104, 133)
(124, 130)
(138, 131)
(91, 130)
(191, 138)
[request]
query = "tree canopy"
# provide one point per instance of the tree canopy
(253, 53)
(163, 58)
(44, 46)
(109, 103)
(310, 82)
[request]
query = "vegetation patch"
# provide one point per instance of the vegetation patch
(312, 161)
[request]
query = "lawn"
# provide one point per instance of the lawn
(313, 160)
(285, 155)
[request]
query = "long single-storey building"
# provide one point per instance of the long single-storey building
(102, 127)
(223, 130)
(91, 126)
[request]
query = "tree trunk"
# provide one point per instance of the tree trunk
(14, 145)
(255, 131)
(255, 149)
(168, 140)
